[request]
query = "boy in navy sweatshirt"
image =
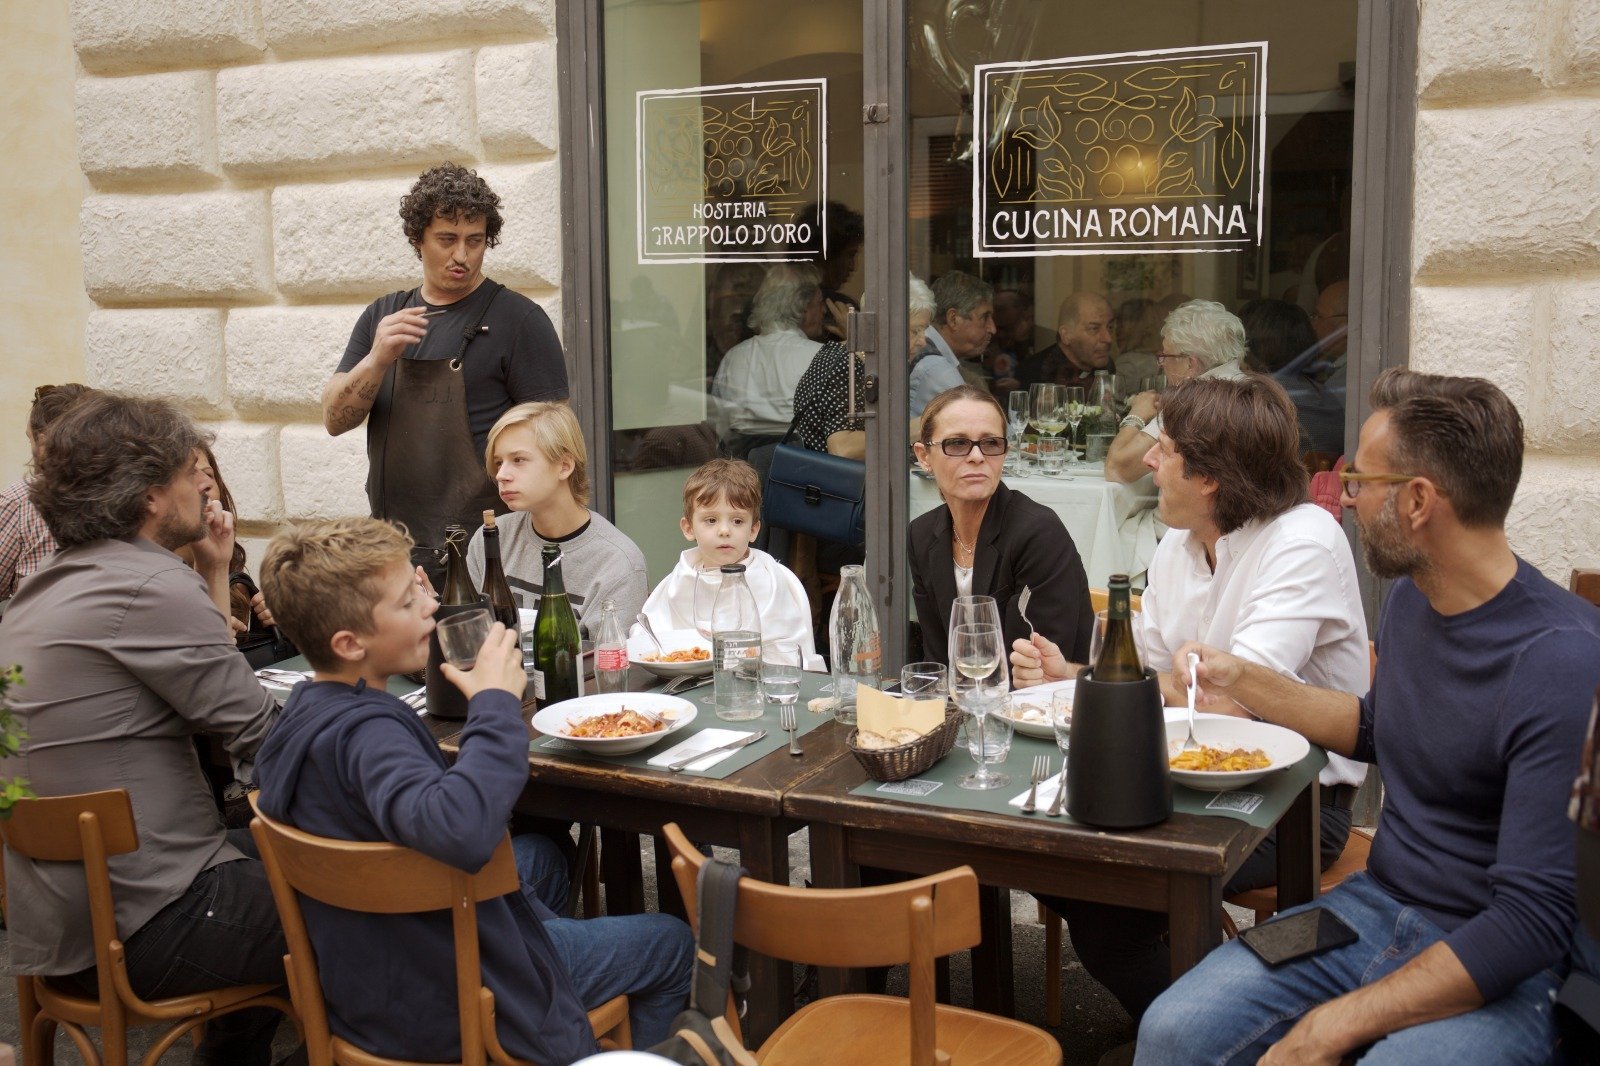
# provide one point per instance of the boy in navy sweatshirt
(349, 761)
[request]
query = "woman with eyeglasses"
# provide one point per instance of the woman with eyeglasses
(987, 539)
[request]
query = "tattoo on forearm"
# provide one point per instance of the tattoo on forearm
(352, 405)
(346, 418)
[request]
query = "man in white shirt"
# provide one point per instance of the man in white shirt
(757, 378)
(1199, 339)
(1249, 565)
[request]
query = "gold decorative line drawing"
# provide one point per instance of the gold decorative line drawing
(1161, 130)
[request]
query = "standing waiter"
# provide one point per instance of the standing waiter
(430, 369)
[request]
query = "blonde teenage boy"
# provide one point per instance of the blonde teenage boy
(347, 760)
(537, 460)
(722, 515)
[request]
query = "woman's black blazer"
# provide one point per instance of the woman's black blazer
(1020, 543)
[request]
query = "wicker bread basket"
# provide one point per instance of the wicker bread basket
(909, 760)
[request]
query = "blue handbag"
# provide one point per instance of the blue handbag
(816, 493)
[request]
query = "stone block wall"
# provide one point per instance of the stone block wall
(245, 161)
(1506, 242)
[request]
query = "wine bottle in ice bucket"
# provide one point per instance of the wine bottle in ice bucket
(1117, 774)
(458, 595)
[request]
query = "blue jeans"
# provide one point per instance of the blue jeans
(647, 957)
(1232, 1007)
(542, 867)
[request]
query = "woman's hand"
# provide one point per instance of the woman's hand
(258, 604)
(1145, 405)
(1038, 661)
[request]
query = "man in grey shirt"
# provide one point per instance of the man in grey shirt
(125, 657)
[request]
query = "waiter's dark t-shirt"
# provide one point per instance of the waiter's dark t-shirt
(517, 361)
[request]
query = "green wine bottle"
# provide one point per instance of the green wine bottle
(556, 644)
(1119, 655)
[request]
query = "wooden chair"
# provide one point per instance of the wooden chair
(1586, 583)
(915, 922)
(86, 829)
(375, 878)
(1264, 901)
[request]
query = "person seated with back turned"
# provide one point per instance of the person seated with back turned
(1251, 566)
(1200, 338)
(351, 762)
(722, 515)
(757, 378)
(25, 540)
(987, 539)
(537, 460)
(126, 658)
(1466, 910)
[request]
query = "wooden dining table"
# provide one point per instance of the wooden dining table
(1178, 866)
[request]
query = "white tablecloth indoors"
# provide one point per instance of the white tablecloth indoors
(1114, 526)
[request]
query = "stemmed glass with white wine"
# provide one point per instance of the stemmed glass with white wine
(1049, 408)
(977, 677)
(1074, 411)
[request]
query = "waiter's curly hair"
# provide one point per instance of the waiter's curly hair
(450, 191)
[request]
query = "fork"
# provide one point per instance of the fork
(1022, 607)
(1189, 743)
(1041, 770)
(1061, 791)
(786, 721)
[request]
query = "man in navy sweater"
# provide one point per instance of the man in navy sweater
(1466, 912)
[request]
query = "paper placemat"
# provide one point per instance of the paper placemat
(706, 720)
(1260, 804)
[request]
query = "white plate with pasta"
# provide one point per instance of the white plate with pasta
(1242, 750)
(615, 723)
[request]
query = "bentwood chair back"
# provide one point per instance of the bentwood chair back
(379, 878)
(913, 922)
(87, 829)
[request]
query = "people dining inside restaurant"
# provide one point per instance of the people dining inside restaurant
(755, 384)
(987, 539)
(1200, 338)
(1250, 566)
(963, 322)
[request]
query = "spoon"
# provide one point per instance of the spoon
(644, 622)
(1190, 744)
(1022, 607)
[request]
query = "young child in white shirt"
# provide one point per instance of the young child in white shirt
(722, 515)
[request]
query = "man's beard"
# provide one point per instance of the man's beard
(174, 533)
(1388, 553)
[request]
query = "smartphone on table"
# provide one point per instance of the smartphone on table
(1296, 936)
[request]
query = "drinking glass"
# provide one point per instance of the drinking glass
(1153, 383)
(707, 583)
(977, 652)
(924, 681)
(966, 611)
(780, 672)
(1017, 411)
(461, 635)
(989, 742)
(1052, 455)
(1061, 720)
(1075, 410)
(1097, 638)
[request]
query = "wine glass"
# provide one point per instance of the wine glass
(1049, 409)
(1097, 638)
(1017, 411)
(977, 651)
(1061, 720)
(970, 610)
(1074, 408)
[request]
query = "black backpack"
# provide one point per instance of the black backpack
(701, 1035)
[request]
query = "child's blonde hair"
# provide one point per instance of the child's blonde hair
(731, 479)
(556, 434)
(325, 576)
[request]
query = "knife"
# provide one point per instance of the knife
(733, 745)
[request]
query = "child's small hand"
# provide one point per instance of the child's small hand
(499, 666)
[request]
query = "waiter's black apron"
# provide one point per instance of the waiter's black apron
(424, 470)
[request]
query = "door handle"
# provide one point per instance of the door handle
(861, 338)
